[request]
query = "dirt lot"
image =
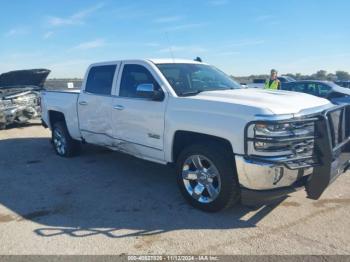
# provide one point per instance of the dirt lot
(107, 203)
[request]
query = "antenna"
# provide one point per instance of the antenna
(170, 49)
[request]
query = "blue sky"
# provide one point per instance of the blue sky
(240, 37)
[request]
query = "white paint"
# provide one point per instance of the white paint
(219, 113)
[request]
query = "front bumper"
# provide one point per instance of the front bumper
(265, 179)
(260, 174)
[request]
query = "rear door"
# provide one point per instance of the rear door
(95, 105)
(323, 90)
(138, 122)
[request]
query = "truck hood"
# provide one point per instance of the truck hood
(24, 78)
(275, 102)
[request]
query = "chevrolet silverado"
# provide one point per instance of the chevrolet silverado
(228, 144)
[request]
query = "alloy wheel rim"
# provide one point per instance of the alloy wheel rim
(201, 178)
(59, 142)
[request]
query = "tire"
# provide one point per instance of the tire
(194, 183)
(62, 142)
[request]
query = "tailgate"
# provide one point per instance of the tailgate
(332, 148)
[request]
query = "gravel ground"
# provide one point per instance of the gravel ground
(103, 202)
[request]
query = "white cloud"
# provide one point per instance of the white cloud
(77, 18)
(18, 31)
(91, 44)
(48, 34)
(168, 19)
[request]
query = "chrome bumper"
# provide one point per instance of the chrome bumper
(260, 175)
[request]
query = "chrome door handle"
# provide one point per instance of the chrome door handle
(83, 103)
(118, 107)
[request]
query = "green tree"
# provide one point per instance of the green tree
(331, 77)
(342, 75)
(321, 75)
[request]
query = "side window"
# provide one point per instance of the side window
(298, 87)
(134, 75)
(323, 90)
(311, 89)
(100, 80)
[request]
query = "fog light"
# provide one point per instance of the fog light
(278, 175)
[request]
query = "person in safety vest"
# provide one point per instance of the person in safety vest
(273, 83)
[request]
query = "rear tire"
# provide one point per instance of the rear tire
(207, 177)
(62, 142)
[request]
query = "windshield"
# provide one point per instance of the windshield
(190, 79)
(290, 79)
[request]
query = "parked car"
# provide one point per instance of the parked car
(19, 95)
(336, 94)
(286, 79)
(227, 143)
(257, 83)
(260, 82)
(345, 84)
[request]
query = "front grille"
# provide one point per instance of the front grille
(304, 147)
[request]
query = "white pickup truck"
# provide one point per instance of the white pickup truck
(228, 144)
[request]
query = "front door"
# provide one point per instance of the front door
(138, 122)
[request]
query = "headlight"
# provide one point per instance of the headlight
(281, 138)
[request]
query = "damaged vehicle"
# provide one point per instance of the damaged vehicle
(228, 144)
(20, 95)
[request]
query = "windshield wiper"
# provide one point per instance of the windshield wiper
(196, 92)
(191, 93)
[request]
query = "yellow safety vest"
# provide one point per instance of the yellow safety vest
(273, 86)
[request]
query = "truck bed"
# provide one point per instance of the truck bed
(65, 102)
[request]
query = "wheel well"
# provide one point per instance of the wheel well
(55, 116)
(186, 138)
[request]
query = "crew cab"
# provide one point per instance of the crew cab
(228, 144)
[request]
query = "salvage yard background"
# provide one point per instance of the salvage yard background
(104, 202)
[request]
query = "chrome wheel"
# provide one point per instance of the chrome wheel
(59, 141)
(201, 178)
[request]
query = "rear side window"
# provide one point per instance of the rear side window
(134, 75)
(298, 87)
(100, 79)
(323, 90)
(311, 89)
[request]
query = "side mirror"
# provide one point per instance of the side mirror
(148, 91)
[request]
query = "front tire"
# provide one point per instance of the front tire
(207, 178)
(62, 142)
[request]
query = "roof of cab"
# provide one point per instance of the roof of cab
(154, 61)
(173, 61)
